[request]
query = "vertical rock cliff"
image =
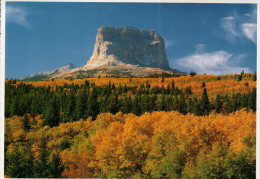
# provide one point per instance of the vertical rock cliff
(115, 45)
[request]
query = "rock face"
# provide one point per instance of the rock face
(115, 45)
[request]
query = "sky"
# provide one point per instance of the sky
(205, 38)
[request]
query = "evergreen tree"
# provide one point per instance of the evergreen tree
(70, 108)
(136, 106)
(252, 100)
(254, 77)
(203, 85)
(205, 104)
(14, 168)
(26, 123)
(41, 167)
(182, 106)
(240, 78)
(92, 104)
(52, 113)
(81, 105)
(162, 104)
(172, 87)
(218, 104)
(14, 108)
(56, 167)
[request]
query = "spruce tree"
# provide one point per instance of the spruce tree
(162, 104)
(81, 105)
(205, 104)
(254, 77)
(218, 104)
(52, 113)
(41, 167)
(252, 100)
(14, 107)
(92, 104)
(26, 123)
(56, 167)
(70, 108)
(14, 168)
(172, 87)
(136, 106)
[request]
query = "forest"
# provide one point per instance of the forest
(162, 126)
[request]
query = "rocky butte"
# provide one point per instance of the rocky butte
(129, 45)
(123, 51)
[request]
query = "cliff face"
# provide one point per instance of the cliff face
(129, 45)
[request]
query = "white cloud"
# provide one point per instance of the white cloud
(17, 15)
(240, 26)
(229, 25)
(249, 30)
(216, 63)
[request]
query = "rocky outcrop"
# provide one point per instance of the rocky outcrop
(119, 51)
(64, 68)
(115, 45)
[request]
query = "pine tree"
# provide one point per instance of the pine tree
(92, 104)
(56, 167)
(162, 104)
(182, 106)
(252, 100)
(203, 85)
(205, 104)
(136, 106)
(70, 108)
(26, 123)
(14, 164)
(218, 104)
(52, 113)
(255, 77)
(41, 167)
(172, 87)
(14, 107)
(81, 105)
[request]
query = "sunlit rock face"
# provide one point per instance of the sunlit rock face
(116, 46)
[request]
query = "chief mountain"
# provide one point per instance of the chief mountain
(125, 51)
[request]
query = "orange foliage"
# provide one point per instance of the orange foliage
(119, 144)
(228, 83)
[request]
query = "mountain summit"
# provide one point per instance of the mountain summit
(120, 51)
(115, 45)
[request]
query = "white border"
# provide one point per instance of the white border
(2, 59)
(2, 87)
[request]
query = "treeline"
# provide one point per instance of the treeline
(154, 145)
(73, 102)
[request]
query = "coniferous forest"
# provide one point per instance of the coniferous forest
(194, 126)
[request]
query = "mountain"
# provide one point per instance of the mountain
(120, 51)
(129, 45)
(45, 74)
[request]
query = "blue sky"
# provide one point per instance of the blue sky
(206, 38)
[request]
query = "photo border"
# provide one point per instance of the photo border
(2, 59)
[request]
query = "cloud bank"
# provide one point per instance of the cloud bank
(217, 63)
(17, 15)
(240, 26)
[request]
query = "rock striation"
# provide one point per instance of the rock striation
(117, 45)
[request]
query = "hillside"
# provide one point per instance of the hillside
(174, 127)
